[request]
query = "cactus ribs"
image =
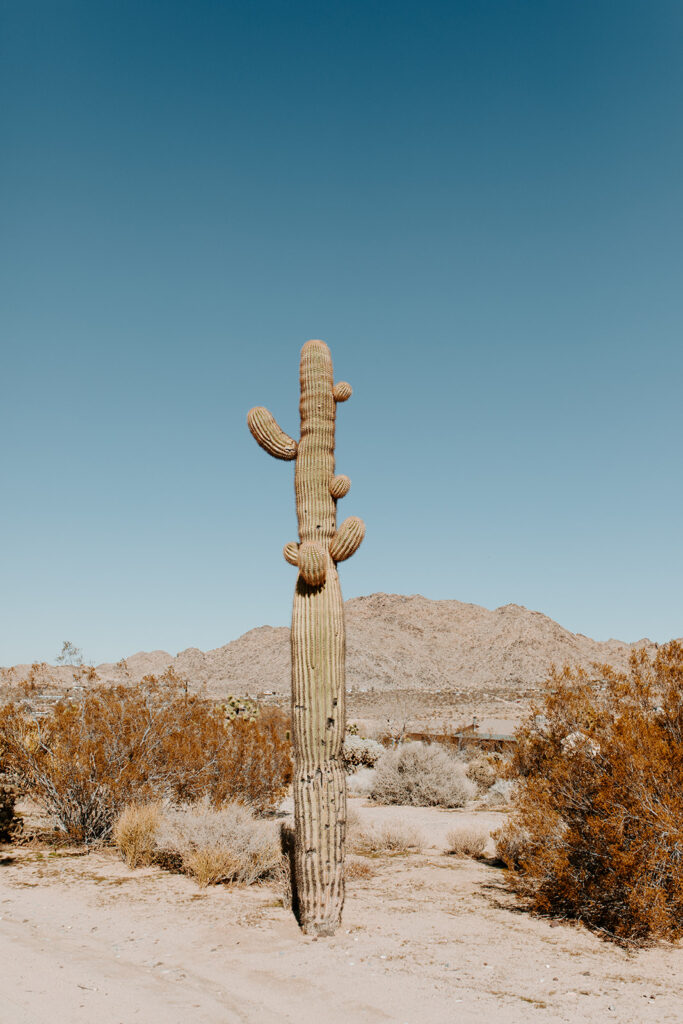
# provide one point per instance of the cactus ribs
(317, 639)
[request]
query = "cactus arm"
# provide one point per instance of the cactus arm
(339, 486)
(347, 539)
(269, 435)
(315, 506)
(342, 391)
(291, 553)
(312, 563)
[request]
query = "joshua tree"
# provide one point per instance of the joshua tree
(318, 639)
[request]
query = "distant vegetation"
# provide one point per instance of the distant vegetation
(86, 758)
(423, 775)
(594, 786)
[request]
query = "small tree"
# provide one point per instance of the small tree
(70, 655)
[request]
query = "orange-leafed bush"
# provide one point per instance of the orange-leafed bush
(86, 759)
(598, 829)
(254, 766)
(10, 822)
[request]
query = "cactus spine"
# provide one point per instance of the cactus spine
(318, 638)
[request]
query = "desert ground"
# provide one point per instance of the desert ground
(425, 938)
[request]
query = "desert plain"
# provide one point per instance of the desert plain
(427, 937)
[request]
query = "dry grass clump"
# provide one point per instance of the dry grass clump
(135, 831)
(422, 775)
(353, 822)
(357, 869)
(281, 878)
(466, 842)
(390, 840)
(481, 771)
(512, 844)
(226, 844)
(88, 758)
(361, 782)
(598, 829)
(501, 793)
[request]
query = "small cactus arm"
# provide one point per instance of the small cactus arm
(318, 638)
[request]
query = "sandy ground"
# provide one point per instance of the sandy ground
(427, 938)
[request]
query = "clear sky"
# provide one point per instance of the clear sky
(478, 205)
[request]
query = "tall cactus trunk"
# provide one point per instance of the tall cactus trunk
(318, 639)
(319, 781)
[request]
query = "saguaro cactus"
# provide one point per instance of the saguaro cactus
(318, 638)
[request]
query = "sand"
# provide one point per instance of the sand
(427, 938)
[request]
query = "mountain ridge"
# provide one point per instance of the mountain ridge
(394, 641)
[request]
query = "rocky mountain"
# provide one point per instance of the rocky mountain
(394, 642)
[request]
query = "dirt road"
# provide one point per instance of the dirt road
(426, 940)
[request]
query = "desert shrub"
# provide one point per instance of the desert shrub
(281, 879)
(225, 844)
(421, 775)
(481, 772)
(357, 869)
(353, 822)
(361, 782)
(135, 831)
(368, 729)
(466, 842)
(360, 753)
(244, 706)
(598, 829)
(253, 762)
(500, 793)
(512, 844)
(10, 822)
(392, 839)
(88, 758)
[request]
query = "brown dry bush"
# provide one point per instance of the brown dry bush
(392, 840)
(281, 878)
(598, 829)
(217, 844)
(466, 842)
(135, 831)
(482, 771)
(357, 869)
(88, 758)
(10, 821)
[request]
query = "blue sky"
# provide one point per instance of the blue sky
(477, 205)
